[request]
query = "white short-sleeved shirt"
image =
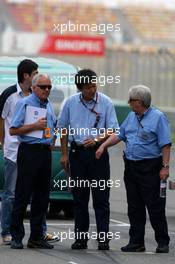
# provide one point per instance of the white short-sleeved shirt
(9, 98)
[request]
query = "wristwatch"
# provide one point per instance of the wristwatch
(166, 166)
(96, 141)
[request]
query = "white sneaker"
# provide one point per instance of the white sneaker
(6, 240)
(51, 238)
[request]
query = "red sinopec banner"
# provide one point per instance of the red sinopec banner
(73, 45)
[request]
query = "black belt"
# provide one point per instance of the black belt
(36, 146)
(142, 161)
(76, 147)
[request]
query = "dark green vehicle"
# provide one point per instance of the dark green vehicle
(62, 76)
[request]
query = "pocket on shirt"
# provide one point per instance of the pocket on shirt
(146, 134)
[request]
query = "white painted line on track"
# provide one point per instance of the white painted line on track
(71, 224)
(171, 233)
(119, 222)
(71, 262)
(55, 224)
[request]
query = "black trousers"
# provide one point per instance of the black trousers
(84, 167)
(142, 183)
(33, 180)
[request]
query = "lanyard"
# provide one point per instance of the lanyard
(92, 110)
(139, 119)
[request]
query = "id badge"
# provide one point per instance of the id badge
(47, 132)
(144, 135)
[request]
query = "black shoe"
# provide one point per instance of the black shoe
(39, 244)
(103, 245)
(16, 244)
(162, 248)
(133, 248)
(79, 244)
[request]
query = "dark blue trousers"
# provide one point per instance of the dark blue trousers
(33, 180)
(142, 183)
(86, 169)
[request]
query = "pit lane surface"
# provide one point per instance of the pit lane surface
(62, 254)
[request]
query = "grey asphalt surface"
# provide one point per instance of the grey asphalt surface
(62, 254)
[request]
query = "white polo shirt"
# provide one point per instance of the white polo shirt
(11, 143)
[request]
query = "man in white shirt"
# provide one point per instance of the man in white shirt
(8, 99)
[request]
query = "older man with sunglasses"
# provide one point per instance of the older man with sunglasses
(33, 161)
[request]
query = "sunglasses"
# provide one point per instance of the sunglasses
(44, 86)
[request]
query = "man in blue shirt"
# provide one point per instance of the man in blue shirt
(146, 134)
(34, 163)
(86, 120)
(26, 69)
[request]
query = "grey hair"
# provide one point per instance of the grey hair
(141, 92)
(38, 76)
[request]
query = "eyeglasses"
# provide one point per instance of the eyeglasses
(44, 86)
(133, 100)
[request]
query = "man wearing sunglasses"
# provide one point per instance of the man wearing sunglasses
(86, 113)
(34, 163)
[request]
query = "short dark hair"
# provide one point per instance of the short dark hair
(25, 66)
(85, 76)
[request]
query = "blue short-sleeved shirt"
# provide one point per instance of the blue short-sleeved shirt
(19, 117)
(79, 120)
(144, 138)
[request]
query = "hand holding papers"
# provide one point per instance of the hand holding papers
(33, 114)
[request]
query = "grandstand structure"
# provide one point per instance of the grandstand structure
(41, 15)
(141, 21)
(152, 25)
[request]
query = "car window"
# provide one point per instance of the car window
(61, 73)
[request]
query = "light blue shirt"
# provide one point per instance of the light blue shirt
(144, 138)
(79, 120)
(19, 117)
